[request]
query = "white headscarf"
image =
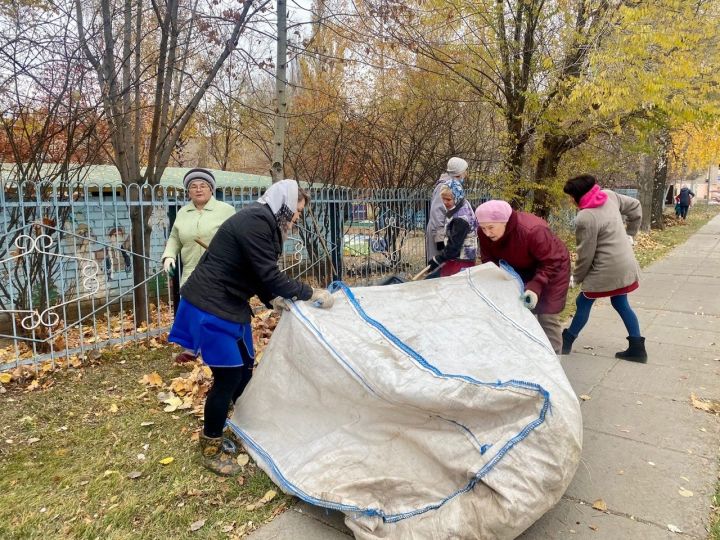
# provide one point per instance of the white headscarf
(282, 198)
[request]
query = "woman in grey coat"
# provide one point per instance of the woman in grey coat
(435, 230)
(606, 265)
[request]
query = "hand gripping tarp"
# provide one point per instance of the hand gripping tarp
(424, 410)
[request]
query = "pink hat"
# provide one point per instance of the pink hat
(493, 212)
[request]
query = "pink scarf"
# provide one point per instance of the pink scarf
(593, 198)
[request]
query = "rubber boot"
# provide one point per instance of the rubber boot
(567, 343)
(216, 458)
(635, 351)
(232, 444)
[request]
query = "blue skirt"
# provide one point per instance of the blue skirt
(215, 338)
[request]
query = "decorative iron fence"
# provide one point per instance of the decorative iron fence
(67, 281)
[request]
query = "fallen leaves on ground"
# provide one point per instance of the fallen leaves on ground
(197, 525)
(685, 492)
(152, 379)
(707, 405)
(601, 505)
(166, 461)
(269, 496)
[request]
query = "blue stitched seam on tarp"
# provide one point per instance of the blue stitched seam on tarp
(392, 518)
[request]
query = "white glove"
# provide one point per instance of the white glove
(322, 298)
(631, 240)
(279, 304)
(530, 299)
(572, 282)
(168, 264)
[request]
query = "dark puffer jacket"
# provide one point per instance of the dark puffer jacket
(241, 262)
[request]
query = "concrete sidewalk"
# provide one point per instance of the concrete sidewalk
(644, 443)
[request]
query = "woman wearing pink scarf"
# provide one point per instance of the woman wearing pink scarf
(606, 265)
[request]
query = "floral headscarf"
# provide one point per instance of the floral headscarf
(456, 188)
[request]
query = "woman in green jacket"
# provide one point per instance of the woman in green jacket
(197, 220)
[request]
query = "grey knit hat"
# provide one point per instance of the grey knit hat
(456, 166)
(199, 174)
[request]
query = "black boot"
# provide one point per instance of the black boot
(568, 340)
(635, 352)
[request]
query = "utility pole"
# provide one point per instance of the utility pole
(277, 170)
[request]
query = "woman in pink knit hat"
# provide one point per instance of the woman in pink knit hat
(541, 259)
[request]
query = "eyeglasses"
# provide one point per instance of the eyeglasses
(202, 186)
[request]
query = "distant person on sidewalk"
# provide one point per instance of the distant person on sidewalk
(199, 219)
(685, 198)
(435, 230)
(460, 247)
(606, 265)
(214, 312)
(526, 243)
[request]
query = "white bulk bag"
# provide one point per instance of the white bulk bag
(430, 409)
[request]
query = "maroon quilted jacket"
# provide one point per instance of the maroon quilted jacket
(540, 257)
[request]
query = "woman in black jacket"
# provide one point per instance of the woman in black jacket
(214, 312)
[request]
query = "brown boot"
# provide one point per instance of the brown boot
(216, 458)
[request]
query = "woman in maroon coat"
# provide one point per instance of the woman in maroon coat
(527, 244)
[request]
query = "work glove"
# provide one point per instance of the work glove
(631, 240)
(279, 304)
(322, 298)
(433, 264)
(529, 299)
(439, 246)
(572, 282)
(169, 266)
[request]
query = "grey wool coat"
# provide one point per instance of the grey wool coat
(605, 258)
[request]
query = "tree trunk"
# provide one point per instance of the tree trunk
(140, 237)
(545, 172)
(660, 181)
(646, 182)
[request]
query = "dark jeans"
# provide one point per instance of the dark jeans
(228, 385)
(683, 211)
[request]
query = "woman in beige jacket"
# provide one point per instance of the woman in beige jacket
(197, 220)
(606, 265)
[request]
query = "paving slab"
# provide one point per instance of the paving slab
(586, 372)
(644, 481)
(664, 423)
(689, 321)
(580, 521)
(294, 525)
(667, 382)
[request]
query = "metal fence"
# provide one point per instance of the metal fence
(67, 279)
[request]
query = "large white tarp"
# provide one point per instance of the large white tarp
(432, 409)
